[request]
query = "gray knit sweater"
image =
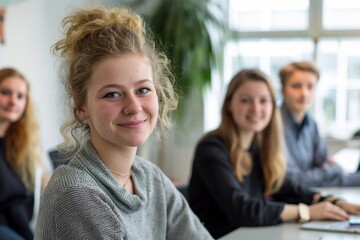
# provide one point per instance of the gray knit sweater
(84, 201)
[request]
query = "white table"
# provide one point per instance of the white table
(292, 231)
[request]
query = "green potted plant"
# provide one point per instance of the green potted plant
(186, 30)
(182, 27)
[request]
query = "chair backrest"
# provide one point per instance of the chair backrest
(356, 135)
(58, 158)
(37, 194)
(184, 190)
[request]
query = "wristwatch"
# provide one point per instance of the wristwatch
(304, 213)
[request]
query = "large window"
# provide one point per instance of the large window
(268, 34)
(259, 15)
(341, 14)
(266, 54)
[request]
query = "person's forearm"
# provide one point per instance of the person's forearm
(320, 198)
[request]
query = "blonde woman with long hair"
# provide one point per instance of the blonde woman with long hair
(238, 176)
(19, 155)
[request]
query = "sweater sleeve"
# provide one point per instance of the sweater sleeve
(212, 164)
(76, 215)
(294, 193)
(182, 222)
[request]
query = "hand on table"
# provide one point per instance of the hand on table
(352, 209)
(327, 211)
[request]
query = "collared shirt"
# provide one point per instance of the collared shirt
(306, 153)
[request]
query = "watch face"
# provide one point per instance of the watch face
(304, 212)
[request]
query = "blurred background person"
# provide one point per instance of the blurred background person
(309, 161)
(19, 155)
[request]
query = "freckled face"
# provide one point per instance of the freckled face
(13, 99)
(122, 103)
(251, 106)
(299, 91)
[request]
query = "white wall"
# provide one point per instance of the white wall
(28, 35)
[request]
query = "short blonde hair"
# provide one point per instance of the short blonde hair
(288, 70)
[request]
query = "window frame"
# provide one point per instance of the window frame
(315, 31)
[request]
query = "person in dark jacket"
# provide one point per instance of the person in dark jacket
(19, 155)
(238, 175)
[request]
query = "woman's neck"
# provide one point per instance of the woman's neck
(3, 128)
(246, 138)
(298, 116)
(116, 159)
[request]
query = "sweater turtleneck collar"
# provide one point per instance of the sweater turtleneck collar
(91, 162)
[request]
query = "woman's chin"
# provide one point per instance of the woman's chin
(136, 143)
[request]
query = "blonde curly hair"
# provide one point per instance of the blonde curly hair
(92, 35)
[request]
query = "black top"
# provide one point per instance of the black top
(223, 203)
(15, 205)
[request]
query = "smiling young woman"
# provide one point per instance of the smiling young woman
(19, 155)
(120, 90)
